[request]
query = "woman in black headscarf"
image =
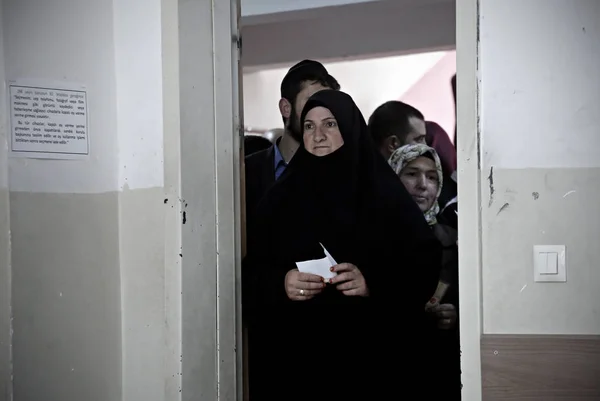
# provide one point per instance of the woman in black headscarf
(313, 339)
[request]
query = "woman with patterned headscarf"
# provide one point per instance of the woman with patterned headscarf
(418, 167)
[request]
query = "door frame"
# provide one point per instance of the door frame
(211, 193)
(469, 195)
(210, 200)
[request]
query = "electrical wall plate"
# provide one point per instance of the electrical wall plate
(549, 264)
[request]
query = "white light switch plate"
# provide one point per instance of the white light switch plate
(549, 264)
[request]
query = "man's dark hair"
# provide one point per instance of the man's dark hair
(392, 118)
(305, 71)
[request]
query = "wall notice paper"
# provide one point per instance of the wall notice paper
(48, 121)
(320, 267)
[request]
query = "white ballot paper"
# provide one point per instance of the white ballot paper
(320, 267)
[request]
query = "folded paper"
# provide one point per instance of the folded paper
(320, 267)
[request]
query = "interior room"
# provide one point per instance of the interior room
(122, 240)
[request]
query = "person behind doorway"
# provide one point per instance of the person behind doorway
(438, 139)
(395, 124)
(418, 167)
(264, 167)
(353, 337)
(255, 143)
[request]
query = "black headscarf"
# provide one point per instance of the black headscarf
(351, 202)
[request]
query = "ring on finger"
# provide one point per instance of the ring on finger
(302, 292)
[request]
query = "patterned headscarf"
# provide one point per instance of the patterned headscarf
(406, 154)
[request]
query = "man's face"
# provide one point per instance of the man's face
(416, 133)
(293, 123)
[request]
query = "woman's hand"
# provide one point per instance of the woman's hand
(446, 316)
(349, 280)
(302, 286)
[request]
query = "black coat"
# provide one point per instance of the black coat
(337, 347)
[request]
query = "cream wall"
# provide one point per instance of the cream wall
(88, 237)
(5, 370)
(540, 113)
(66, 289)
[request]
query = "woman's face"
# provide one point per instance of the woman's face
(420, 178)
(321, 134)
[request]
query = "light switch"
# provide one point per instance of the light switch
(552, 263)
(540, 262)
(549, 263)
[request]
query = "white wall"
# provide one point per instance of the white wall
(127, 139)
(540, 113)
(433, 96)
(3, 116)
(370, 82)
(51, 57)
(138, 66)
(139, 116)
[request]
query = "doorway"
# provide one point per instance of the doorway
(220, 157)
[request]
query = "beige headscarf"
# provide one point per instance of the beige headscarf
(406, 154)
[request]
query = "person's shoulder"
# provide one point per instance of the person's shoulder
(394, 204)
(446, 234)
(258, 158)
(261, 154)
(388, 190)
(448, 215)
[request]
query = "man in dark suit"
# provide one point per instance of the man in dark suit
(263, 168)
